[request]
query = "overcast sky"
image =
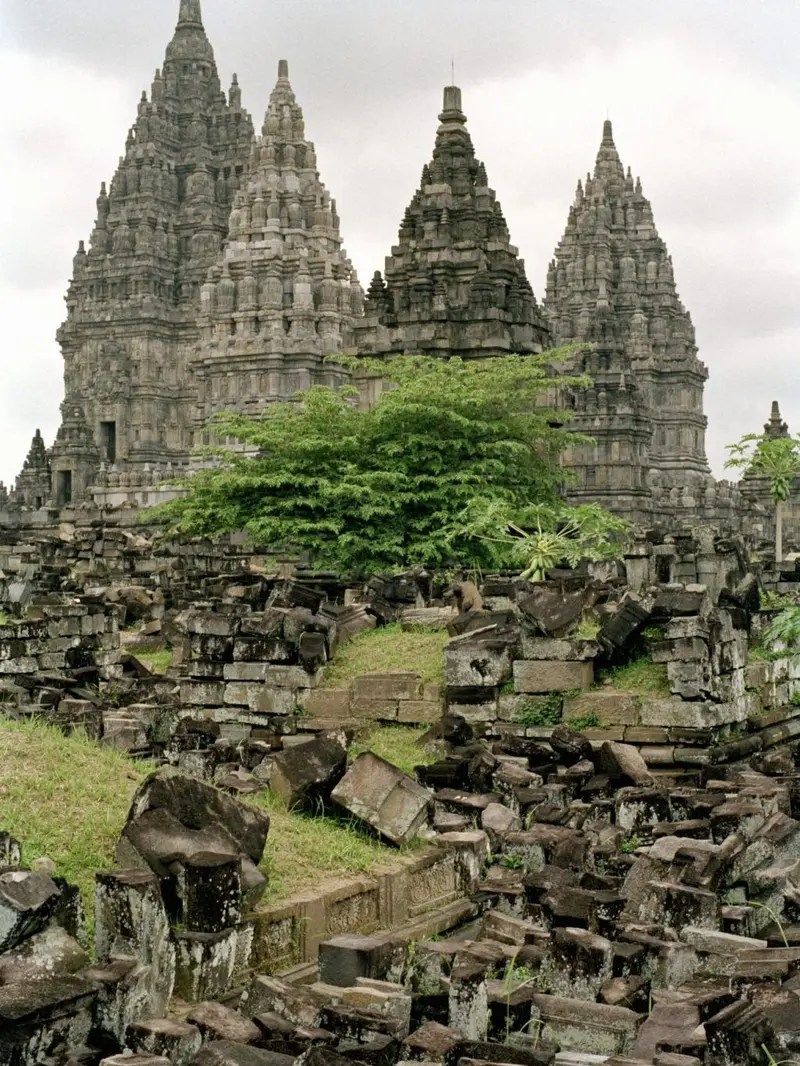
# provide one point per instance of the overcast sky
(704, 96)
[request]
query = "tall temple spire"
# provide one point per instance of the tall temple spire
(133, 301)
(190, 13)
(612, 284)
(455, 284)
(282, 295)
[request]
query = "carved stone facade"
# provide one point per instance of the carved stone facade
(34, 481)
(216, 279)
(283, 294)
(132, 304)
(454, 284)
(611, 283)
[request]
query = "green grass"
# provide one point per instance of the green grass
(541, 710)
(305, 850)
(587, 630)
(592, 720)
(642, 677)
(389, 648)
(629, 845)
(759, 654)
(157, 662)
(66, 798)
(395, 743)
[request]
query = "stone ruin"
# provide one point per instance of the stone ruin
(608, 876)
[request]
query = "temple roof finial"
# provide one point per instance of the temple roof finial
(283, 69)
(190, 13)
(608, 165)
(776, 427)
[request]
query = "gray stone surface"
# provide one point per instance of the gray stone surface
(383, 797)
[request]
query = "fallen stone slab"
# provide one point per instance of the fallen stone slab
(177, 1041)
(305, 775)
(27, 899)
(384, 797)
(50, 953)
(623, 761)
(228, 1053)
(199, 806)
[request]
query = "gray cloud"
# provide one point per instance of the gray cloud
(705, 95)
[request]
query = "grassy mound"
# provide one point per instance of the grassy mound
(389, 648)
(68, 798)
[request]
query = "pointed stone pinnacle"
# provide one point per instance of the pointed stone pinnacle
(451, 109)
(283, 69)
(608, 131)
(190, 13)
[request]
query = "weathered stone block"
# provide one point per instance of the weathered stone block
(611, 707)
(419, 712)
(244, 671)
(384, 797)
(551, 650)
(261, 649)
(123, 732)
(623, 761)
(204, 963)
(56, 1013)
(218, 1022)
(199, 806)
(375, 710)
(393, 685)
(304, 775)
(198, 694)
(482, 659)
(27, 900)
(345, 959)
(331, 703)
(177, 1041)
(205, 623)
(130, 920)
(698, 714)
(538, 677)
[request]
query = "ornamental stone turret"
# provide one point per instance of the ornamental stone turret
(282, 295)
(454, 284)
(133, 300)
(611, 283)
(32, 487)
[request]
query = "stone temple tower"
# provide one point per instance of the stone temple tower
(132, 303)
(282, 295)
(454, 284)
(611, 283)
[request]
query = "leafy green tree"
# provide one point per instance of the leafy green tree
(777, 459)
(365, 491)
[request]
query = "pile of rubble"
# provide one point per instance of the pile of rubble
(613, 919)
